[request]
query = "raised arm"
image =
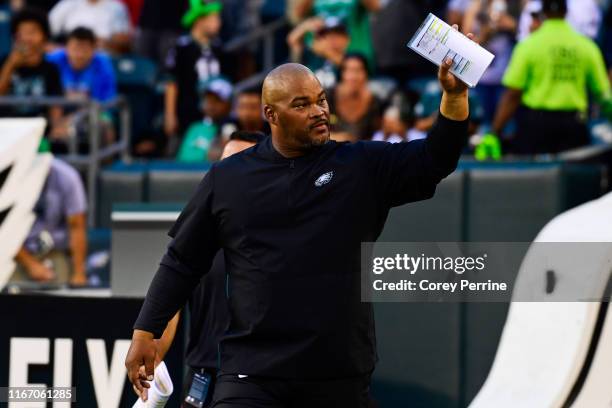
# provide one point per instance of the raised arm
(407, 172)
(295, 39)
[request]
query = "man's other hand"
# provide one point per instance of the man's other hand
(142, 352)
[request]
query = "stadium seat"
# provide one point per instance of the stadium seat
(118, 187)
(172, 186)
(135, 71)
(136, 80)
(5, 30)
(601, 131)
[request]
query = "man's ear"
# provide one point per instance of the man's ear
(270, 114)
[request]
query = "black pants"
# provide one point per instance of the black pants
(234, 392)
(187, 385)
(540, 132)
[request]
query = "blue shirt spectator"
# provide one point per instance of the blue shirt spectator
(84, 71)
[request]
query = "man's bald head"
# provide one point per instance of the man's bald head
(278, 81)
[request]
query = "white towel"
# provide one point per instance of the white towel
(160, 391)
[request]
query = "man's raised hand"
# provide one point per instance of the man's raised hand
(455, 92)
(450, 83)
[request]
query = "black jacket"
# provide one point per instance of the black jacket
(208, 317)
(291, 230)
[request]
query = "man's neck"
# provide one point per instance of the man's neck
(285, 150)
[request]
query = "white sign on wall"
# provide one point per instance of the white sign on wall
(22, 175)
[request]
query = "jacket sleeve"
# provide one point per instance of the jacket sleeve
(189, 256)
(407, 172)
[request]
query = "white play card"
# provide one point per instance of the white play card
(436, 41)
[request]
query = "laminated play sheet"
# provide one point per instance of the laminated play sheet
(436, 41)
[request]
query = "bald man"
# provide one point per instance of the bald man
(291, 214)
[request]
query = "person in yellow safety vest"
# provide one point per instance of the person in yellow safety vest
(548, 81)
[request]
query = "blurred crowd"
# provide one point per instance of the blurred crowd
(188, 70)
(179, 68)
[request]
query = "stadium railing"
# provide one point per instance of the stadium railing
(97, 154)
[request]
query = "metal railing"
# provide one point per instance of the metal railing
(90, 111)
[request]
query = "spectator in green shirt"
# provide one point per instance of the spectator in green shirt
(549, 78)
(355, 14)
